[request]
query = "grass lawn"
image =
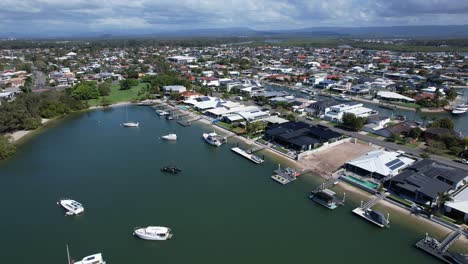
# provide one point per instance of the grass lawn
(412, 105)
(116, 95)
(400, 200)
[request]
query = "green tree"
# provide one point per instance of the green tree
(104, 88)
(127, 84)
(444, 123)
(415, 133)
(85, 91)
(105, 101)
(352, 122)
(7, 149)
(451, 94)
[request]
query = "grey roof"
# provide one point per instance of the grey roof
(429, 177)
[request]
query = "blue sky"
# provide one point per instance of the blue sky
(33, 16)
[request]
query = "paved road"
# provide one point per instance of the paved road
(390, 145)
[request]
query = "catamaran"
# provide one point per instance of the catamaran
(73, 207)
(153, 233)
(170, 137)
(92, 259)
(213, 139)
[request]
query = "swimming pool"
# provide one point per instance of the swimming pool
(367, 184)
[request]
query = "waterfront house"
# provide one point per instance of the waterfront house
(376, 122)
(335, 114)
(458, 207)
(395, 97)
(379, 164)
(423, 181)
(174, 89)
(320, 107)
(300, 136)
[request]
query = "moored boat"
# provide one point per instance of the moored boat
(170, 137)
(153, 233)
(73, 207)
(92, 259)
(171, 169)
(130, 124)
(460, 109)
(213, 139)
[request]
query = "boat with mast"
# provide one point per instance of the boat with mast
(129, 123)
(92, 259)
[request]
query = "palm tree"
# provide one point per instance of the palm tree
(442, 199)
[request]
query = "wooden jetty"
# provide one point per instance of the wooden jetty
(440, 249)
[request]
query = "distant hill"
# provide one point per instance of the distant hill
(449, 31)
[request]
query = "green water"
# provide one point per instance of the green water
(222, 209)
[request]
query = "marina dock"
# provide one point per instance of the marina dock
(325, 197)
(439, 249)
(248, 156)
(370, 215)
(285, 176)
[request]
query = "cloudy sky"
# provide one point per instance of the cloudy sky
(32, 16)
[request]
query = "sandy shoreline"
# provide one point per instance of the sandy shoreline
(18, 135)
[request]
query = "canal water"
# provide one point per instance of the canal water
(222, 208)
(461, 121)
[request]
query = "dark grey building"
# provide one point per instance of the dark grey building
(425, 179)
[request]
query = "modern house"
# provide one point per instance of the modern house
(458, 207)
(379, 164)
(174, 89)
(300, 136)
(423, 181)
(335, 114)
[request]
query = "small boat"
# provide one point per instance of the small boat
(130, 124)
(460, 109)
(169, 117)
(73, 207)
(162, 113)
(377, 217)
(92, 259)
(170, 137)
(171, 169)
(213, 139)
(153, 233)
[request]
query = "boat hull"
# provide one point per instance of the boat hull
(211, 142)
(140, 233)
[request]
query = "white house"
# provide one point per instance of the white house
(174, 89)
(379, 164)
(335, 114)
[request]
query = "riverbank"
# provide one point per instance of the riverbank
(21, 134)
(17, 136)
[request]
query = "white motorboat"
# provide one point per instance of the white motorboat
(92, 259)
(73, 207)
(213, 139)
(131, 124)
(153, 233)
(170, 137)
(162, 113)
(460, 109)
